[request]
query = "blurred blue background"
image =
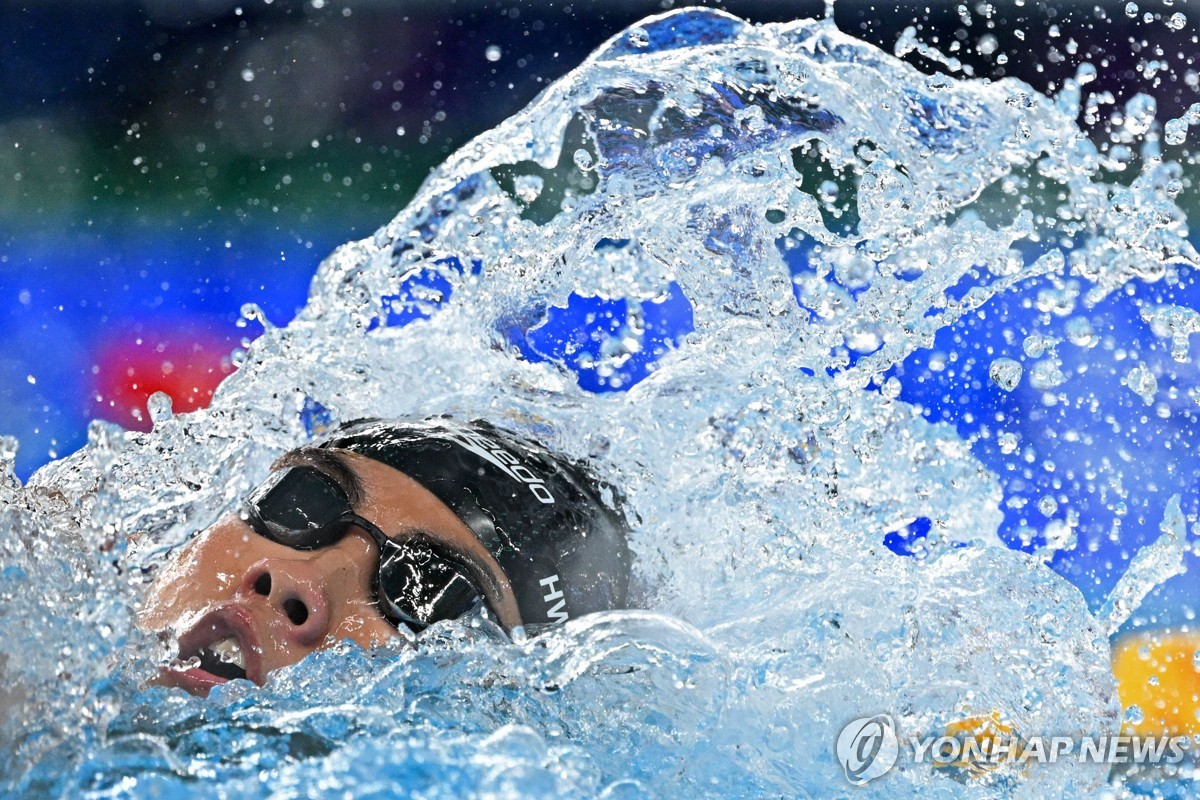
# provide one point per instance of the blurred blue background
(162, 163)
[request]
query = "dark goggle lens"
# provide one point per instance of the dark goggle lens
(419, 587)
(305, 509)
(299, 507)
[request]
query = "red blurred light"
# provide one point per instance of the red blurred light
(186, 365)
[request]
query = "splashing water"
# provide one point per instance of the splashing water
(812, 206)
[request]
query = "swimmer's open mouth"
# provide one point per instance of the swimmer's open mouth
(224, 659)
(221, 647)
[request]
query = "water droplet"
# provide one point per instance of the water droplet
(102, 436)
(492, 53)
(528, 187)
(251, 312)
(1047, 374)
(1134, 715)
(1140, 112)
(1005, 373)
(1176, 323)
(247, 74)
(8, 449)
(1036, 344)
(1080, 332)
(1141, 381)
(583, 159)
(1058, 300)
(1008, 443)
(1058, 534)
(1048, 506)
(159, 406)
(938, 82)
(639, 37)
(1131, 10)
(863, 339)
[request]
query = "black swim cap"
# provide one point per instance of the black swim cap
(542, 518)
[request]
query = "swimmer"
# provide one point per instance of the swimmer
(388, 525)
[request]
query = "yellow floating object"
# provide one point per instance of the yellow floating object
(998, 757)
(980, 725)
(1157, 671)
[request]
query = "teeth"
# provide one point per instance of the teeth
(229, 651)
(184, 664)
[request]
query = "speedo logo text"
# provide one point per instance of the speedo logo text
(506, 462)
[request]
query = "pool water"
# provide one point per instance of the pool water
(748, 272)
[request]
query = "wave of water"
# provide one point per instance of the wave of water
(693, 161)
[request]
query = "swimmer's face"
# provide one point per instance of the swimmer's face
(237, 595)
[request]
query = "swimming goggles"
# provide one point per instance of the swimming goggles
(418, 581)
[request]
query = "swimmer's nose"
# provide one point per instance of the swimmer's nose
(294, 591)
